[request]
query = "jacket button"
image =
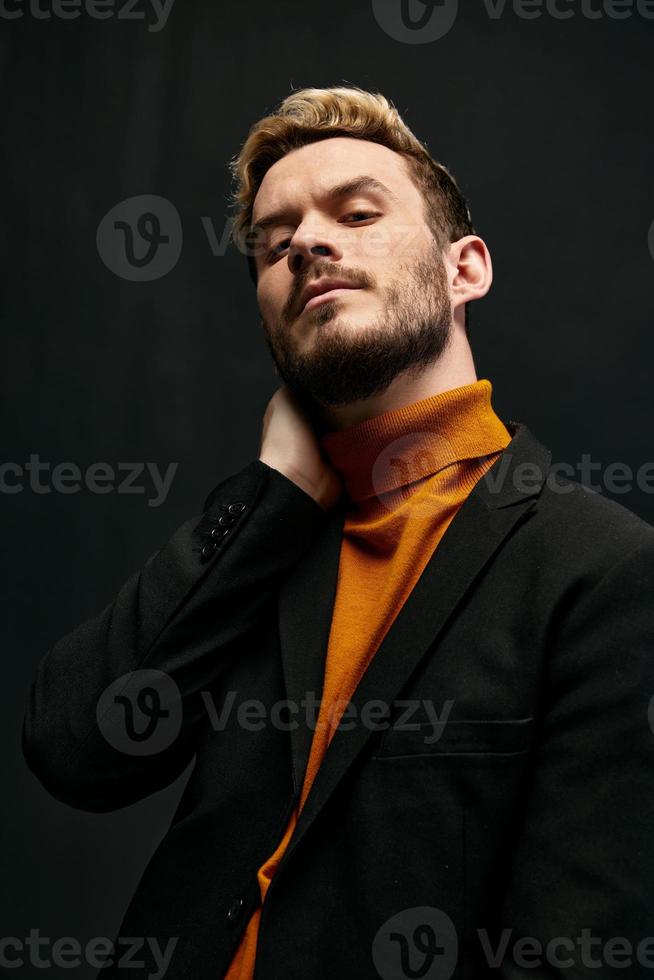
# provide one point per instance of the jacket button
(225, 520)
(219, 532)
(236, 508)
(208, 550)
(234, 910)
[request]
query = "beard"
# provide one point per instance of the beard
(343, 365)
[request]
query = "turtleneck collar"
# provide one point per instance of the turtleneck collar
(406, 444)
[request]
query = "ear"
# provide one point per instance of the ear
(470, 268)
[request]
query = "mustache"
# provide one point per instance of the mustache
(358, 279)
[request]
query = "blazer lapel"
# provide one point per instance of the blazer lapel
(502, 498)
(306, 601)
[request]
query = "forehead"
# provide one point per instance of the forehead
(308, 172)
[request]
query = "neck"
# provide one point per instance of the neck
(453, 369)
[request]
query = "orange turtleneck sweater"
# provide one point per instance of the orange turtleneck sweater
(406, 473)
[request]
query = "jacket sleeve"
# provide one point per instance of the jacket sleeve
(114, 709)
(582, 881)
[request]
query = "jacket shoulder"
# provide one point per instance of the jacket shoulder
(569, 501)
(570, 529)
(581, 527)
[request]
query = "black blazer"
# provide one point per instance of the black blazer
(527, 818)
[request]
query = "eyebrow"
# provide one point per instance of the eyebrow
(364, 184)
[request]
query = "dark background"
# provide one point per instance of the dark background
(546, 125)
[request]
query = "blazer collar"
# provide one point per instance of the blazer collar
(518, 474)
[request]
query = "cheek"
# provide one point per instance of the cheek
(372, 251)
(265, 302)
(387, 247)
(272, 295)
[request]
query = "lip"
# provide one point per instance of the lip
(330, 294)
(321, 287)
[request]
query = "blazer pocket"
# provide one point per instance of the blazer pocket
(501, 737)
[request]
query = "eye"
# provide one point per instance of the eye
(275, 250)
(363, 214)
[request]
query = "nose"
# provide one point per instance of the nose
(305, 248)
(299, 259)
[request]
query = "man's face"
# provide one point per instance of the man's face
(396, 315)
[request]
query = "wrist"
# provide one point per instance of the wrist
(297, 477)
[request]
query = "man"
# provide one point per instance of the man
(412, 664)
